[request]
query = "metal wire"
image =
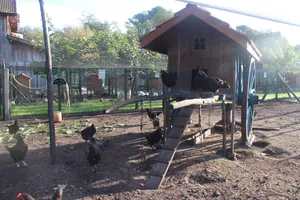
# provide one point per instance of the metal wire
(259, 16)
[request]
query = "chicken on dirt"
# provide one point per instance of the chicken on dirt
(88, 132)
(154, 137)
(153, 115)
(93, 150)
(18, 151)
(14, 128)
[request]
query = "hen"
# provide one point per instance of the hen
(14, 128)
(56, 196)
(154, 137)
(88, 132)
(24, 196)
(207, 83)
(93, 156)
(168, 79)
(153, 117)
(19, 151)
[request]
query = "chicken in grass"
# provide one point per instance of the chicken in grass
(153, 115)
(88, 132)
(154, 137)
(168, 79)
(14, 128)
(19, 151)
(208, 83)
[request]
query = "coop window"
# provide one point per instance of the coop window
(199, 43)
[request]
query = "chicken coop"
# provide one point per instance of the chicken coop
(193, 39)
(23, 80)
(94, 84)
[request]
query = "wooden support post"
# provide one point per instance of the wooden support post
(6, 114)
(59, 96)
(233, 108)
(109, 82)
(48, 65)
(288, 87)
(224, 125)
(269, 88)
(125, 84)
(178, 62)
(276, 86)
(166, 117)
(80, 82)
(199, 118)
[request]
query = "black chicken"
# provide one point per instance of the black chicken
(14, 128)
(152, 114)
(168, 79)
(101, 144)
(93, 156)
(207, 83)
(154, 137)
(19, 151)
(88, 132)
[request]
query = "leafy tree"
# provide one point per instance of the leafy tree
(147, 20)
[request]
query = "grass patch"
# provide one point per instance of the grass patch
(42, 108)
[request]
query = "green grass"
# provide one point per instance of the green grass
(42, 108)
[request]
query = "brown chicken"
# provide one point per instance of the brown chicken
(24, 196)
(14, 128)
(19, 151)
(58, 194)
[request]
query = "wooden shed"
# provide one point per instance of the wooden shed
(93, 83)
(23, 83)
(194, 38)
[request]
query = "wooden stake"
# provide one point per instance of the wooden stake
(199, 118)
(288, 87)
(224, 125)
(6, 115)
(49, 83)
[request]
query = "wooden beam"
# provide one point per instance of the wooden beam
(288, 87)
(6, 114)
(190, 102)
(187, 94)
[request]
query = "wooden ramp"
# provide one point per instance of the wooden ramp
(160, 168)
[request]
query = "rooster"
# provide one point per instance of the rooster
(153, 117)
(154, 137)
(88, 132)
(92, 152)
(19, 151)
(14, 128)
(207, 83)
(168, 79)
(56, 196)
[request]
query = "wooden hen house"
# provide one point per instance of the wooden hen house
(194, 38)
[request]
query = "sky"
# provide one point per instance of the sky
(69, 12)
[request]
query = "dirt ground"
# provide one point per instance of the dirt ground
(268, 170)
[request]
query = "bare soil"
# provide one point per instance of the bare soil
(268, 170)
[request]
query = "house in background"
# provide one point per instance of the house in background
(15, 52)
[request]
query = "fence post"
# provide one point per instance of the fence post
(6, 114)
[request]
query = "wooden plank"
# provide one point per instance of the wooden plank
(153, 182)
(186, 112)
(159, 169)
(197, 101)
(181, 121)
(171, 143)
(176, 132)
(165, 155)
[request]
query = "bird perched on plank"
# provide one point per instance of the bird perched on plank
(153, 117)
(168, 79)
(19, 151)
(208, 83)
(14, 128)
(154, 137)
(88, 132)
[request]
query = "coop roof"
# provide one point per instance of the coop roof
(8, 7)
(23, 75)
(193, 10)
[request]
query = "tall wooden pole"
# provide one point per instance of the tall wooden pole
(49, 83)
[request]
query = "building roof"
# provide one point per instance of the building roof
(207, 18)
(23, 75)
(19, 40)
(8, 7)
